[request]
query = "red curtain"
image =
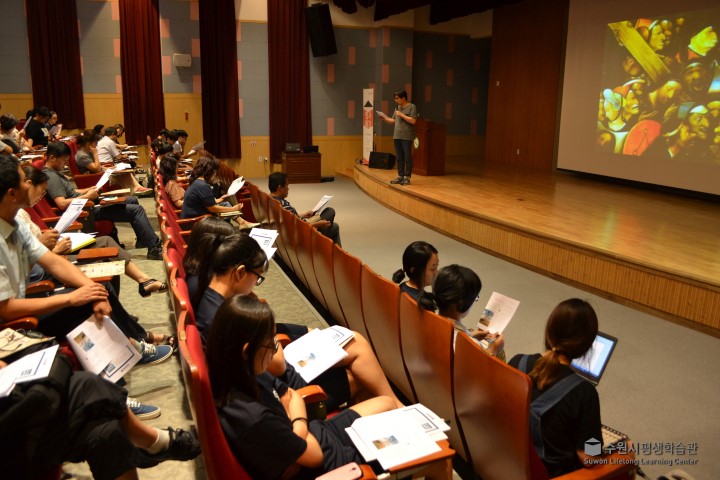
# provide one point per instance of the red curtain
(140, 62)
(55, 59)
(288, 55)
(220, 97)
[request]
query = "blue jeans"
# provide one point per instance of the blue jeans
(403, 151)
(131, 212)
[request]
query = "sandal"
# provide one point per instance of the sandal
(169, 340)
(146, 293)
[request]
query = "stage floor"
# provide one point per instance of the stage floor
(661, 233)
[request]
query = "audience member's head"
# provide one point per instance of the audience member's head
(172, 135)
(42, 114)
(205, 237)
(161, 147)
(181, 136)
(240, 345)
(58, 154)
(420, 263)
(9, 175)
(276, 180)
(569, 332)
(52, 118)
(455, 290)
(99, 129)
(206, 167)
(8, 121)
(37, 179)
(119, 129)
(87, 139)
(168, 168)
(111, 132)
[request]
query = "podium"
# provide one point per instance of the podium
(301, 167)
(429, 156)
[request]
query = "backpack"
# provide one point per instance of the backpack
(547, 400)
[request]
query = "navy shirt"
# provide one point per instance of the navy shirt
(198, 197)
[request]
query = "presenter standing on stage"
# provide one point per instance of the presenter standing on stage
(404, 120)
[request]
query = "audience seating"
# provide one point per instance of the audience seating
(303, 239)
(427, 346)
(347, 272)
(322, 249)
(286, 234)
(258, 213)
(380, 306)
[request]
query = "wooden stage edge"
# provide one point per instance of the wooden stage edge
(676, 298)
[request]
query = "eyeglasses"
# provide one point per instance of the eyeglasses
(260, 278)
(274, 347)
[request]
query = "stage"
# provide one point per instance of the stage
(652, 250)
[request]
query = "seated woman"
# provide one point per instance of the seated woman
(87, 161)
(420, 263)
(204, 238)
(168, 172)
(264, 420)
(238, 264)
(564, 428)
(199, 197)
(455, 290)
(37, 179)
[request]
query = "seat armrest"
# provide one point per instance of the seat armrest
(27, 323)
(113, 202)
(312, 394)
(40, 287)
(92, 254)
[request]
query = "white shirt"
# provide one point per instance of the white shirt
(18, 250)
(107, 150)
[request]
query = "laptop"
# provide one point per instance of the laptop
(311, 149)
(292, 148)
(592, 365)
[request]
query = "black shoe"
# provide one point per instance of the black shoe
(397, 180)
(155, 253)
(183, 446)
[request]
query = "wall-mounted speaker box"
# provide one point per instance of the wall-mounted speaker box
(182, 60)
(382, 160)
(320, 30)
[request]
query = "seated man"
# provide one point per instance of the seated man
(108, 149)
(63, 192)
(279, 189)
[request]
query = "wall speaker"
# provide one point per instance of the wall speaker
(320, 30)
(382, 160)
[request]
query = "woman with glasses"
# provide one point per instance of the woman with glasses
(455, 290)
(238, 265)
(264, 419)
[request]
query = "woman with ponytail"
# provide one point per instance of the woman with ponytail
(420, 264)
(565, 427)
(205, 237)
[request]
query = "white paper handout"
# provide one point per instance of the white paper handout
(497, 313)
(235, 186)
(104, 179)
(381, 114)
(119, 167)
(103, 350)
(196, 148)
(393, 438)
(70, 214)
(313, 353)
(30, 367)
(265, 238)
(321, 204)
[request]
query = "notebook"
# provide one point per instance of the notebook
(592, 365)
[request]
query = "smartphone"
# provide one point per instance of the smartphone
(351, 471)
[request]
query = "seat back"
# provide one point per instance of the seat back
(347, 270)
(303, 240)
(492, 401)
(427, 346)
(380, 305)
(285, 237)
(220, 462)
(36, 218)
(322, 248)
(255, 203)
(73, 145)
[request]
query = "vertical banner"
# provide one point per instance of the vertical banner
(368, 118)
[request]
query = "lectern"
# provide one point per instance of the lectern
(429, 156)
